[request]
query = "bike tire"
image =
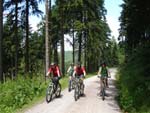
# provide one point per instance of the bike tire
(69, 86)
(49, 93)
(82, 89)
(103, 93)
(72, 84)
(76, 93)
(58, 91)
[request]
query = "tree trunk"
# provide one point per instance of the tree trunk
(85, 49)
(80, 48)
(73, 46)
(46, 38)
(55, 54)
(1, 36)
(49, 33)
(80, 40)
(16, 38)
(62, 40)
(62, 51)
(27, 39)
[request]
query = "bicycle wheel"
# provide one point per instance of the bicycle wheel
(58, 90)
(103, 92)
(49, 93)
(76, 93)
(72, 84)
(82, 89)
(69, 85)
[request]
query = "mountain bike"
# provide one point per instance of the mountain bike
(79, 88)
(53, 89)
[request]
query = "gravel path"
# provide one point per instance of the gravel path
(90, 103)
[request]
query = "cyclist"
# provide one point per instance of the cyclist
(70, 74)
(54, 69)
(79, 71)
(103, 71)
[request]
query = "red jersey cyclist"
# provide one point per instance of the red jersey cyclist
(54, 69)
(79, 72)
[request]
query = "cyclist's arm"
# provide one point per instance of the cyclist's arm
(108, 72)
(99, 71)
(58, 71)
(49, 71)
(74, 72)
(84, 73)
(68, 69)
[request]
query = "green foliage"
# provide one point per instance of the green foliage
(15, 94)
(121, 55)
(134, 82)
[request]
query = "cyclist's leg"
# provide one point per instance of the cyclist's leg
(107, 82)
(82, 79)
(69, 87)
(101, 83)
(70, 80)
(56, 82)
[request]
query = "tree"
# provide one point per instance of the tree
(46, 37)
(27, 38)
(16, 39)
(1, 36)
(8, 4)
(60, 4)
(30, 4)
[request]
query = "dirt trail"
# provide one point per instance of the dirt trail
(90, 103)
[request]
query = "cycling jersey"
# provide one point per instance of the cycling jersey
(103, 71)
(70, 70)
(55, 71)
(79, 71)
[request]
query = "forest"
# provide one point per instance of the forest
(26, 54)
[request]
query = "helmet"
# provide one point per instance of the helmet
(103, 63)
(72, 64)
(79, 63)
(53, 63)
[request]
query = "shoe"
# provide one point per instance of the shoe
(82, 95)
(69, 89)
(100, 93)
